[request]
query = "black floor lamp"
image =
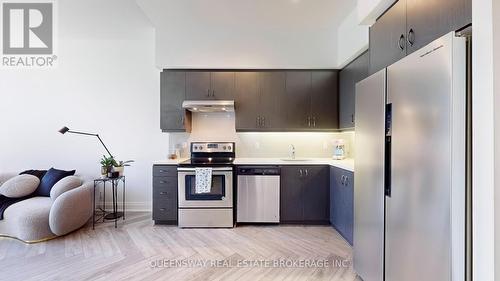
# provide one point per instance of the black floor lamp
(65, 130)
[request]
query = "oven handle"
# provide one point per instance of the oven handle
(225, 169)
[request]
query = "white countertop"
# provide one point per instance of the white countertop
(346, 164)
(169, 161)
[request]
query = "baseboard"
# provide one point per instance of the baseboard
(131, 206)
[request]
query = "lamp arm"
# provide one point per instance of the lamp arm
(104, 145)
(95, 135)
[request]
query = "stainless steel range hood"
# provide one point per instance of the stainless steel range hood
(209, 105)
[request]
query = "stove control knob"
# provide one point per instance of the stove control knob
(224, 147)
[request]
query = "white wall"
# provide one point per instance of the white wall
(352, 38)
(484, 140)
(370, 10)
(106, 82)
(246, 33)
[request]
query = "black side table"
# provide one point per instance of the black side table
(101, 212)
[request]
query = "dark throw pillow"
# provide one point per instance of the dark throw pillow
(49, 179)
(37, 173)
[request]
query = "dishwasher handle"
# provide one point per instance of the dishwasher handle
(259, 170)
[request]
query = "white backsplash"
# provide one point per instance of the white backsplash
(221, 127)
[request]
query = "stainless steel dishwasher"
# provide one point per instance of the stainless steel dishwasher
(258, 194)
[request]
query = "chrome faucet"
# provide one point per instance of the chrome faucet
(292, 151)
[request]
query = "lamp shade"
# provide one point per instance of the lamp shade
(63, 130)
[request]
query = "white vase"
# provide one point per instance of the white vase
(120, 170)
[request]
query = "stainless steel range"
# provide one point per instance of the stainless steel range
(213, 205)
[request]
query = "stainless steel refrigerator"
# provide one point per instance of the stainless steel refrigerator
(410, 187)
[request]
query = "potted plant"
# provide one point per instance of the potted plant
(107, 164)
(120, 166)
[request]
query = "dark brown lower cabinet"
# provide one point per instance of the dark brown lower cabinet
(305, 194)
(165, 194)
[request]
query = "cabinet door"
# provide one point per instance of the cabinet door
(247, 101)
(428, 20)
(222, 85)
(272, 98)
(316, 194)
(198, 85)
(298, 99)
(354, 72)
(338, 199)
(291, 200)
(324, 100)
(172, 88)
(388, 37)
(348, 206)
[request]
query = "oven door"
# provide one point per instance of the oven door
(220, 195)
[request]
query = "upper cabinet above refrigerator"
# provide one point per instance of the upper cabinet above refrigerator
(411, 24)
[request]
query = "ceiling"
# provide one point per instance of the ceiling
(288, 14)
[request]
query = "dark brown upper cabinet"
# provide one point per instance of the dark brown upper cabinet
(173, 92)
(388, 37)
(411, 24)
(271, 101)
(259, 100)
(324, 100)
(298, 100)
(351, 74)
(312, 100)
(265, 100)
(206, 85)
(247, 101)
(427, 20)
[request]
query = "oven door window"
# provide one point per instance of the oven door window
(217, 192)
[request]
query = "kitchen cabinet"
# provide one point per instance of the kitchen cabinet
(311, 100)
(265, 100)
(388, 37)
(271, 99)
(411, 24)
(259, 98)
(324, 100)
(172, 89)
(247, 101)
(427, 20)
(304, 194)
(209, 85)
(298, 100)
(165, 194)
(351, 74)
(342, 202)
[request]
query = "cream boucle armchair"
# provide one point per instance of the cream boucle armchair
(41, 218)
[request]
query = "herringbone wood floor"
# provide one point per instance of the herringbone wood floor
(127, 253)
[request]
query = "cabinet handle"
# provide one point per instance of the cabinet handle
(401, 42)
(411, 37)
(163, 193)
(308, 121)
(300, 171)
(213, 93)
(352, 118)
(208, 92)
(257, 121)
(263, 121)
(342, 181)
(163, 182)
(314, 122)
(307, 173)
(346, 181)
(162, 209)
